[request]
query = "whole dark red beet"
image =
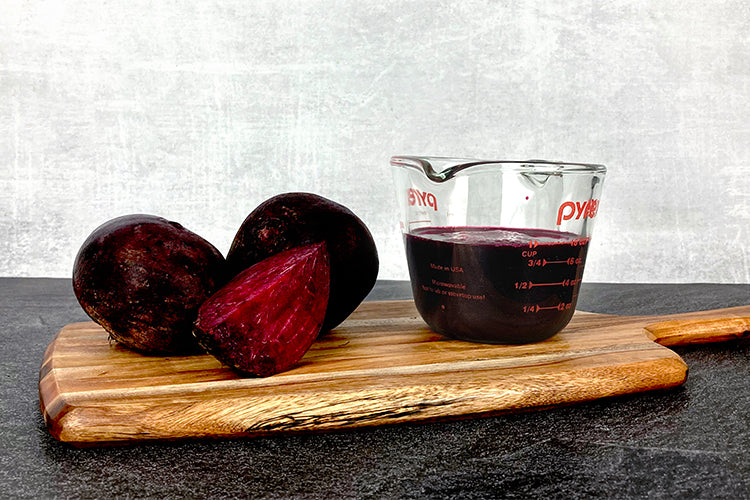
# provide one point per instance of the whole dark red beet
(294, 219)
(265, 319)
(143, 278)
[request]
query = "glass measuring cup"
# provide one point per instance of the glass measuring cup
(496, 249)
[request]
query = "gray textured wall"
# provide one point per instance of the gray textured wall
(198, 111)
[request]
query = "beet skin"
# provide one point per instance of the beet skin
(294, 219)
(143, 278)
(265, 319)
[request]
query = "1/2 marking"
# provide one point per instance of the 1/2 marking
(528, 285)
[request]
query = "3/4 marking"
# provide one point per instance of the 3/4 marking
(572, 261)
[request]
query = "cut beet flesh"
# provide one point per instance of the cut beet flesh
(265, 319)
(291, 220)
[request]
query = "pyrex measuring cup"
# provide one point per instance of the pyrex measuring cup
(496, 249)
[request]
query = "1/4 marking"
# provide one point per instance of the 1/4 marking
(535, 308)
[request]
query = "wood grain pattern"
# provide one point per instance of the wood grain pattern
(699, 331)
(382, 366)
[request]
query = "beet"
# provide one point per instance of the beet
(143, 278)
(265, 319)
(295, 219)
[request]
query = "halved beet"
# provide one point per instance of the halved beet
(142, 278)
(295, 219)
(265, 319)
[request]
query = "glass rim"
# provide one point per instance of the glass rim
(442, 168)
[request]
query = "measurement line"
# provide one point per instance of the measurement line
(528, 285)
(536, 307)
(532, 284)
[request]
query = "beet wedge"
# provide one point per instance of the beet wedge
(294, 219)
(265, 319)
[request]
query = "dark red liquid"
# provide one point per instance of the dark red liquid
(495, 285)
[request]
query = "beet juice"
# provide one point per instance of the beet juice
(495, 285)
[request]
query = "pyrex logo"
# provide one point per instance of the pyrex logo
(578, 209)
(422, 198)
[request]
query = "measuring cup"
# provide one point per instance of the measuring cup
(496, 249)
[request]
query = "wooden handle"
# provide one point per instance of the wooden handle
(699, 331)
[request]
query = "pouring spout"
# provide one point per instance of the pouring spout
(436, 168)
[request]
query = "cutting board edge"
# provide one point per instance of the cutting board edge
(71, 423)
(51, 402)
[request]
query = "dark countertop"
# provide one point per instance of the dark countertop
(689, 442)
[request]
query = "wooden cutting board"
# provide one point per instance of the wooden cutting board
(382, 366)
